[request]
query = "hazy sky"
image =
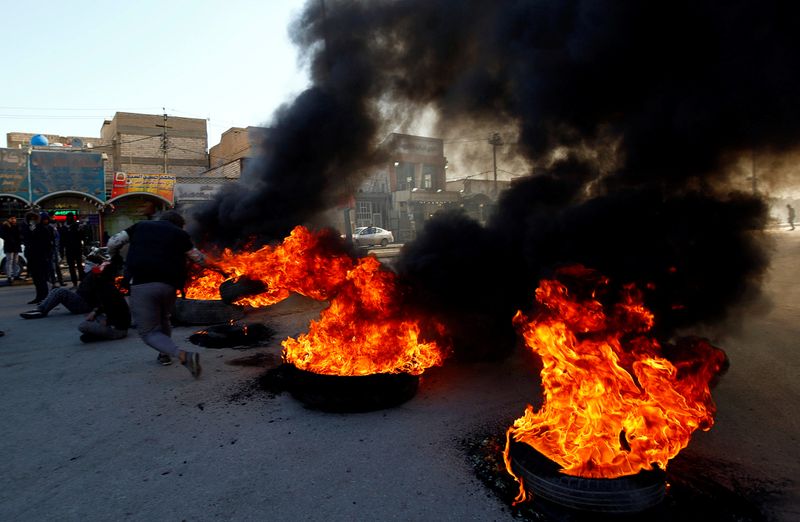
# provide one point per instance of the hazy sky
(67, 66)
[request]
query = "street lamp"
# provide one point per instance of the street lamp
(495, 140)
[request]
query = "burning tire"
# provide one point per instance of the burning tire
(349, 394)
(204, 311)
(234, 335)
(628, 494)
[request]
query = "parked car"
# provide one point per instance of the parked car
(23, 263)
(368, 236)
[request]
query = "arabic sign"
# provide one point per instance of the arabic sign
(14, 172)
(196, 191)
(67, 171)
(161, 185)
(418, 145)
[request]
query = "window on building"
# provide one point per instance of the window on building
(364, 214)
(405, 176)
(428, 173)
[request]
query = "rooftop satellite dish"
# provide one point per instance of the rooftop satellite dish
(76, 143)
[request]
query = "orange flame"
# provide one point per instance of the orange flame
(613, 403)
(300, 264)
(363, 331)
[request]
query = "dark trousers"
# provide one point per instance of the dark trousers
(39, 270)
(69, 298)
(151, 306)
(74, 260)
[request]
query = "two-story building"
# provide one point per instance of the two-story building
(407, 190)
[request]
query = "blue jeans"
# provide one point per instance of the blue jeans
(12, 264)
(71, 300)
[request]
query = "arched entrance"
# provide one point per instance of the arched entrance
(87, 210)
(12, 205)
(126, 209)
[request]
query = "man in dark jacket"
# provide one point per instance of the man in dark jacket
(157, 263)
(12, 246)
(72, 247)
(38, 241)
(111, 317)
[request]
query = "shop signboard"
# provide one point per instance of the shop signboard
(196, 191)
(56, 171)
(161, 185)
(14, 172)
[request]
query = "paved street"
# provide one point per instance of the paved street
(101, 432)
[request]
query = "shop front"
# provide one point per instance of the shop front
(86, 209)
(125, 210)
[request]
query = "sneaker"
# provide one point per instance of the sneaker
(193, 364)
(89, 338)
(34, 301)
(32, 314)
(164, 359)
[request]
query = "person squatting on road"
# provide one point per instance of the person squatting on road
(109, 317)
(157, 263)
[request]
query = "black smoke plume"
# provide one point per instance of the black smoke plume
(632, 112)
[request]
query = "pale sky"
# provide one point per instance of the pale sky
(67, 66)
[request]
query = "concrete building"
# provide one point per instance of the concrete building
(136, 141)
(478, 197)
(17, 140)
(235, 143)
(227, 161)
(144, 167)
(408, 190)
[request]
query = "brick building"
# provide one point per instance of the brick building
(134, 143)
(16, 140)
(408, 190)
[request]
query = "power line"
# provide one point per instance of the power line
(47, 117)
(75, 108)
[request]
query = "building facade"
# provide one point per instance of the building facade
(408, 190)
(147, 153)
(125, 175)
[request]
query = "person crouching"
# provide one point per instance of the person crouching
(111, 317)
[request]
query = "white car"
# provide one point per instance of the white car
(368, 236)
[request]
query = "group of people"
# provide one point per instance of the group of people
(45, 244)
(156, 267)
(94, 290)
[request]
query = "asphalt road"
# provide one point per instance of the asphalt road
(101, 432)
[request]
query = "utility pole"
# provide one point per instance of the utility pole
(164, 139)
(495, 140)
